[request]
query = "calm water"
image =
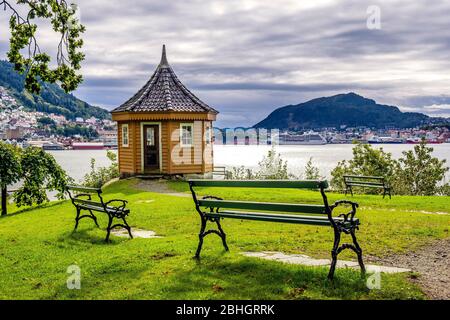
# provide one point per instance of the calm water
(77, 163)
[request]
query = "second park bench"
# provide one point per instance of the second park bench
(367, 182)
(212, 209)
(82, 199)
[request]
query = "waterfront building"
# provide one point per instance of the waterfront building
(165, 129)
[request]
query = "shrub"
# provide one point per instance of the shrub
(416, 173)
(240, 173)
(311, 171)
(367, 161)
(99, 176)
(272, 167)
(419, 173)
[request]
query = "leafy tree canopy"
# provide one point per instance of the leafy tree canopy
(35, 63)
(417, 172)
(9, 164)
(420, 173)
(37, 171)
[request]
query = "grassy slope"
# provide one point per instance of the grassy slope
(37, 246)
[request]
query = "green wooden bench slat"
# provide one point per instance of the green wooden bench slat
(87, 202)
(261, 184)
(365, 184)
(84, 189)
(364, 177)
(264, 206)
(93, 205)
(289, 216)
(101, 209)
(271, 218)
(277, 215)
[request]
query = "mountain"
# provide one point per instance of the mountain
(350, 109)
(52, 98)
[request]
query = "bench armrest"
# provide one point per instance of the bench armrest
(83, 195)
(212, 198)
(349, 216)
(341, 202)
(121, 207)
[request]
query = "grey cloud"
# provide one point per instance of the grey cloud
(246, 57)
(269, 86)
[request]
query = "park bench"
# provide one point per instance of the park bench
(213, 209)
(81, 198)
(220, 171)
(367, 182)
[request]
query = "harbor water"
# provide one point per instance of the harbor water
(326, 157)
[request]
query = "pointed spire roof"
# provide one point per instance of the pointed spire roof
(164, 92)
(164, 62)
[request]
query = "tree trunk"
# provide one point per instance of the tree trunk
(4, 201)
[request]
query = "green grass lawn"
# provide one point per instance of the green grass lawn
(37, 246)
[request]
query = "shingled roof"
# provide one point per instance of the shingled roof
(164, 93)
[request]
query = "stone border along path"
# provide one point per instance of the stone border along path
(308, 261)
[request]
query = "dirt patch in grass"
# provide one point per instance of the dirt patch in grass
(163, 255)
(431, 262)
(159, 186)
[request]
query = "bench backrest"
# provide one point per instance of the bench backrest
(81, 189)
(275, 184)
(211, 202)
(365, 179)
(220, 171)
(76, 192)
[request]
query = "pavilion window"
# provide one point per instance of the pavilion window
(186, 134)
(125, 136)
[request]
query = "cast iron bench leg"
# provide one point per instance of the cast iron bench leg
(204, 233)
(108, 228)
(222, 235)
(334, 254)
(94, 218)
(201, 235)
(338, 249)
(127, 226)
(358, 252)
(77, 219)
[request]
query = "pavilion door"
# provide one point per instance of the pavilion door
(151, 148)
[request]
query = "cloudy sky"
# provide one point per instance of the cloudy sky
(246, 57)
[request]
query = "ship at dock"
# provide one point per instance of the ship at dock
(385, 140)
(88, 146)
(308, 138)
(44, 144)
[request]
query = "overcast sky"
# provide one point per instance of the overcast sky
(247, 57)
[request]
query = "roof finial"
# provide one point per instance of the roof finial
(164, 62)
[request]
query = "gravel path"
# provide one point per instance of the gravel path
(431, 262)
(159, 186)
